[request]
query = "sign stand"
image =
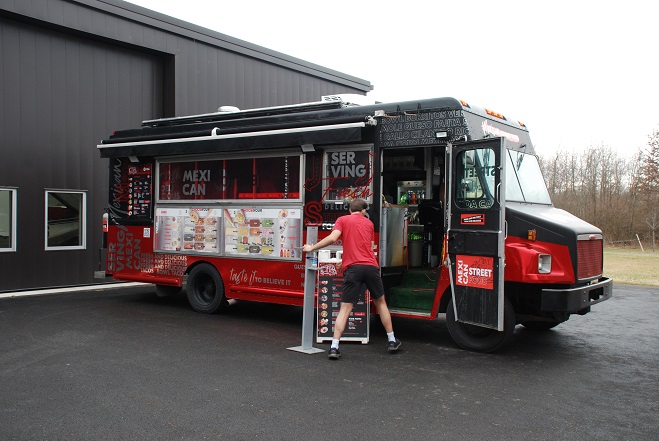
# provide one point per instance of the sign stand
(330, 279)
(310, 270)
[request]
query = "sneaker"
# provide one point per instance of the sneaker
(334, 354)
(393, 346)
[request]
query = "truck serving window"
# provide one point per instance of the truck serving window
(269, 178)
(524, 181)
(476, 179)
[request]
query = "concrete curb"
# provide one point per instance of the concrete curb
(86, 288)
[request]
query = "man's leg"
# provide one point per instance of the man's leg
(393, 343)
(385, 316)
(342, 320)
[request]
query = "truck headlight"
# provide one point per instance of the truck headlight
(544, 263)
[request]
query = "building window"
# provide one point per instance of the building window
(7, 219)
(65, 220)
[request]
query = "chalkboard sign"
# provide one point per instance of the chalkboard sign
(330, 282)
(420, 128)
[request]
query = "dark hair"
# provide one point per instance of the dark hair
(358, 205)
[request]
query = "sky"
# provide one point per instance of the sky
(578, 73)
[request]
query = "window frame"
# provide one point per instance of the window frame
(82, 217)
(327, 197)
(203, 158)
(480, 175)
(13, 224)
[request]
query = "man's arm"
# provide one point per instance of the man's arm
(333, 237)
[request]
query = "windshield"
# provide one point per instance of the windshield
(524, 181)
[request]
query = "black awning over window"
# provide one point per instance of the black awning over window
(323, 135)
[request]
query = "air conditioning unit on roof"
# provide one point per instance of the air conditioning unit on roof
(349, 99)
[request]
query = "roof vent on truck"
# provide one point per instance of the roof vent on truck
(349, 99)
(227, 109)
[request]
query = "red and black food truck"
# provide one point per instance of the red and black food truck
(219, 204)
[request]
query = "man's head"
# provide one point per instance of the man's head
(358, 205)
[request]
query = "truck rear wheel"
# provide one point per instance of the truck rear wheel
(477, 338)
(205, 289)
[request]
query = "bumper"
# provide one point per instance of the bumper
(573, 300)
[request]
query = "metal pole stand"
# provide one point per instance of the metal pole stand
(310, 270)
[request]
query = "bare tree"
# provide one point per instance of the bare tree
(634, 189)
(649, 175)
(598, 185)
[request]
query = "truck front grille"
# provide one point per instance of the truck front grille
(589, 256)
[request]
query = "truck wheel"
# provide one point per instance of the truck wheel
(205, 289)
(540, 325)
(167, 291)
(477, 338)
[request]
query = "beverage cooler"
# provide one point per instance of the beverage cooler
(411, 192)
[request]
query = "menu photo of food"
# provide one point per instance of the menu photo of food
(201, 230)
(170, 229)
(268, 232)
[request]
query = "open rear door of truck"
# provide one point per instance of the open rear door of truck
(475, 230)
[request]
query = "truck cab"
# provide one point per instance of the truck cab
(550, 261)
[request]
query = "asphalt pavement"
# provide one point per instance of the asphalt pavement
(123, 364)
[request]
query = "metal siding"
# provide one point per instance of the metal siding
(200, 83)
(212, 72)
(51, 159)
(11, 100)
(61, 94)
(227, 94)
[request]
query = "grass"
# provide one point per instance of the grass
(633, 267)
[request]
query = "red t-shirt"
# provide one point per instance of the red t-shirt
(357, 235)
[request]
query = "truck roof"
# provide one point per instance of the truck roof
(320, 123)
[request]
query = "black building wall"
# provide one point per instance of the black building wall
(71, 71)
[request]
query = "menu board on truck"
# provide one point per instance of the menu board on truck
(244, 232)
(185, 229)
(330, 282)
(131, 189)
(139, 184)
(274, 232)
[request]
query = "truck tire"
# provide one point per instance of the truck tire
(477, 338)
(167, 290)
(205, 289)
(539, 325)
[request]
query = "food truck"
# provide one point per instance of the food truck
(220, 204)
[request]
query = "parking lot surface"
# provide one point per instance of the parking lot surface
(123, 364)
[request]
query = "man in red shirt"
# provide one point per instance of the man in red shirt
(360, 267)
